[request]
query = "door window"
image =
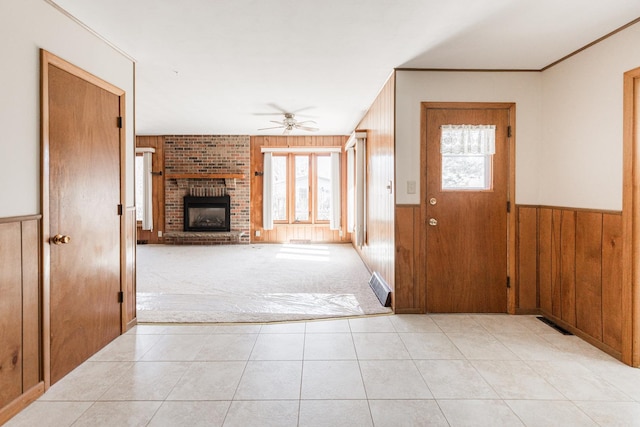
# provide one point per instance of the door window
(467, 156)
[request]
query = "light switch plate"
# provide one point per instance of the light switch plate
(411, 187)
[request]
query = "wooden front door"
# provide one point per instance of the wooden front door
(82, 155)
(466, 198)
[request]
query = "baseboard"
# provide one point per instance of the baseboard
(133, 322)
(21, 402)
(410, 310)
(527, 311)
(583, 335)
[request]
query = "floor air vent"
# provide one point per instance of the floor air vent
(381, 289)
(560, 329)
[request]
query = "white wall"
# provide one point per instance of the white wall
(414, 87)
(25, 27)
(581, 156)
(568, 123)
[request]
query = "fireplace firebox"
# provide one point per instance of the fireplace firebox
(207, 213)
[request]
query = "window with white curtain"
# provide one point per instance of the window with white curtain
(302, 188)
(279, 187)
(144, 187)
(335, 219)
(323, 186)
(267, 192)
(467, 156)
(361, 191)
(139, 187)
(356, 149)
(351, 189)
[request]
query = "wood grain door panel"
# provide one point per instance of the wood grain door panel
(467, 249)
(84, 193)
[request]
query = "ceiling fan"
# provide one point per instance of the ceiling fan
(290, 123)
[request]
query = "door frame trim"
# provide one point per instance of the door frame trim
(630, 224)
(46, 59)
(511, 186)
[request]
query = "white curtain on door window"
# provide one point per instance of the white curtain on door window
(147, 198)
(334, 220)
(267, 193)
(460, 140)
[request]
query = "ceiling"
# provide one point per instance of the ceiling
(231, 66)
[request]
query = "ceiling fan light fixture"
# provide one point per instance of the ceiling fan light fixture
(289, 123)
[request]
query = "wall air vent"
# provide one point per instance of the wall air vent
(554, 325)
(381, 289)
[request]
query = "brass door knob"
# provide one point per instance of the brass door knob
(59, 239)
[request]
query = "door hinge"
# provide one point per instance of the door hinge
(120, 210)
(508, 282)
(120, 297)
(119, 122)
(508, 207)
(508, 131)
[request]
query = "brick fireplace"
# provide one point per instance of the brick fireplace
(206, 166)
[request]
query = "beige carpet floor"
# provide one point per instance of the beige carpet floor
(251, 283)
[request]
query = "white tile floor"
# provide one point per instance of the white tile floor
(414, 370)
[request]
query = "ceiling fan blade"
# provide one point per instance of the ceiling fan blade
(281, 111)
(310, 107)
(306, 121)
(274, 127)
(287, 131)
(277, 122)
(307, 128)
(277, 107)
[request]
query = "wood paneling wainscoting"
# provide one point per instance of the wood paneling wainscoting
(129, 266)
(409, 269)
(21, 377)
(21, 307)
(569, 269)
(569, 265)
(284, 233)
(378, 251)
